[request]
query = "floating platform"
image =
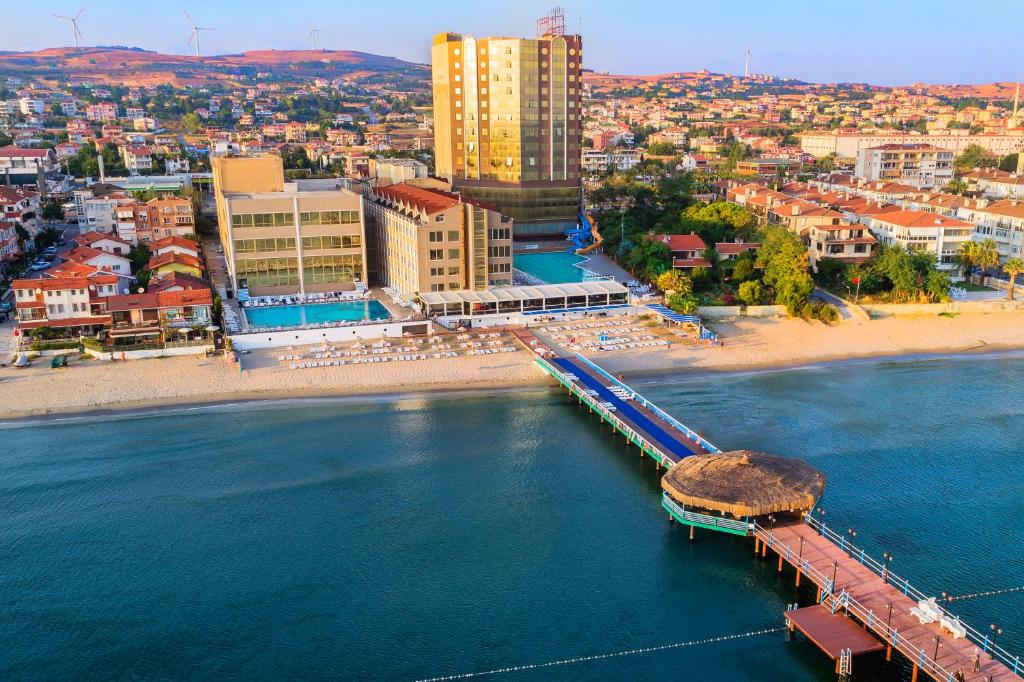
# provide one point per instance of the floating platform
(833, 633)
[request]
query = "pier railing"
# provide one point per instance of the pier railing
(679, 426)
(981, 639)
(878, 622)
(645, 445)
(705, 519)
(848, 603)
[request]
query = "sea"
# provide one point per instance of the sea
(425, 536)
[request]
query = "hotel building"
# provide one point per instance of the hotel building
(280, 239)
(426, 240)
(507, 125)
(918, 165)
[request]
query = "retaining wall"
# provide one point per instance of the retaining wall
(302, 337)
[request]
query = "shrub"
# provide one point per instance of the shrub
(819, 310)
(751, 293)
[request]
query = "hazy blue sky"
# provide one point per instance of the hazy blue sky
(881, 41)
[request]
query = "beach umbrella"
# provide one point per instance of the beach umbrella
(213, 328)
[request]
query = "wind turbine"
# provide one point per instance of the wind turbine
(195, 32)
(312, 36)
(75, 33)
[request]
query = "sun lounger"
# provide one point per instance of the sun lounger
(955, 627)
(926, 611)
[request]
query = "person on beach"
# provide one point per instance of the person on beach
(976, 661)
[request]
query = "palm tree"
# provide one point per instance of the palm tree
(1013, 267)
(967, 257)
(986, 256)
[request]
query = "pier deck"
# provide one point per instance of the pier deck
(864, 595)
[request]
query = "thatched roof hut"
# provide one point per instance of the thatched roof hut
(744, 483)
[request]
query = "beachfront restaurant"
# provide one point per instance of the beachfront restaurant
(545, 298)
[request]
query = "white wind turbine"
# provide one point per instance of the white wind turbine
(312, 36)
(75, 33)
(195, 32)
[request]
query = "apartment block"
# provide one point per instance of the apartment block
(508, 124)
(923, 231)
(426, 239)
(279, 239)
(919, 165)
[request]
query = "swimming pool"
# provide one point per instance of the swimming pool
(315, 313)
(557, 267)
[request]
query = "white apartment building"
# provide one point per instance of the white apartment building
(31, 105)
(1001, 221)
(622, 159)
(846, 145)
(923, 231)
(919, 165)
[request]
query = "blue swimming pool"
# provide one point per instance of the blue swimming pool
(315, 313)
(557, 267)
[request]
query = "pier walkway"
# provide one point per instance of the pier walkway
(851, 582)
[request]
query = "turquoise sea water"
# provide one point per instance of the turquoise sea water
(315, 313)
(556, 267)
(402, 539)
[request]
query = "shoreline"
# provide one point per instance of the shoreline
(157, 406)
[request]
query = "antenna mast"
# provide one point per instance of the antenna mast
(552, 24)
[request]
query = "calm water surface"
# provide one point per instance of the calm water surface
(421, 537)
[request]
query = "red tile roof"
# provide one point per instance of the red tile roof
(680, 242)
(730, 248)
(691, 263)
(173, 257)
(920, 219)
(423, 200)
(174, 241)
(89, 238)
(12, 195)
(67, 322)
(177, 279)
(11, 151)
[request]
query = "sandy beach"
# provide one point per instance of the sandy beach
(749, 344)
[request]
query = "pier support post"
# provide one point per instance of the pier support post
(764, 549)
(797, 583)
(757, 545)
(671, 520)
(691, 533)
(913, 675)
(818, 598)
(888, 652)
(780, 564)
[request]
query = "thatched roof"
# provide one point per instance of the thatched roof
(744, 483)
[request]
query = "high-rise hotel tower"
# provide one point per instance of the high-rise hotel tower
(507, 128)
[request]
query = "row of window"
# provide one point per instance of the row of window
(438, 254)
(500, 233)
(500, 252)
(437, 236)
(440, 272)
(352, 241)
(271, 272)
(287, 218)
(497, 268)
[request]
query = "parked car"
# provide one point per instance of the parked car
(39, 264)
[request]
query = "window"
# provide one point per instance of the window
(329, 217)
(268, 272)
(264, 245)
(453, 235)
(500, 251)
(332, 242)
(436, 272)
(434, 237)
(453, 253)
(436, 254)
(453, 270)
(439, 218)
(331, 269)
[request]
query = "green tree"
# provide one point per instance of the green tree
(783, 257)
(674, 281)
(986, 256)
(956, 186)
(975, 156)
(751, 293)
(743, 267)
(52, 210)
(1013, 267)
(1008, 163)
(191, 122)
(685, 304)
(661, 149)
(966, 257)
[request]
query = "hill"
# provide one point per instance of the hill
(135, 67)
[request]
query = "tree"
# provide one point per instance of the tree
(743, 267)
(685, 304)
(975, 156)
(661, 149)
(986, 256)
(52, 210)
(1009, 163)
(751, 293)
(1013, 267)
(674, 281)
(191, 122)
(966, 257)
(783, 257)
(956, 186)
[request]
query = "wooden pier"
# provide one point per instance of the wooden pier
(852, 587)
(851, 583)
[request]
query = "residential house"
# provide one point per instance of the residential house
(137, 158)
(687, 250)
(842, 241)
(157, 317)
(733, 250)
(22, 165)
(73, 304)
(171, 261)
(20, 206)
(9, 244)
(918, 165)
(107, 243)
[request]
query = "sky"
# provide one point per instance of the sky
(890, 42)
